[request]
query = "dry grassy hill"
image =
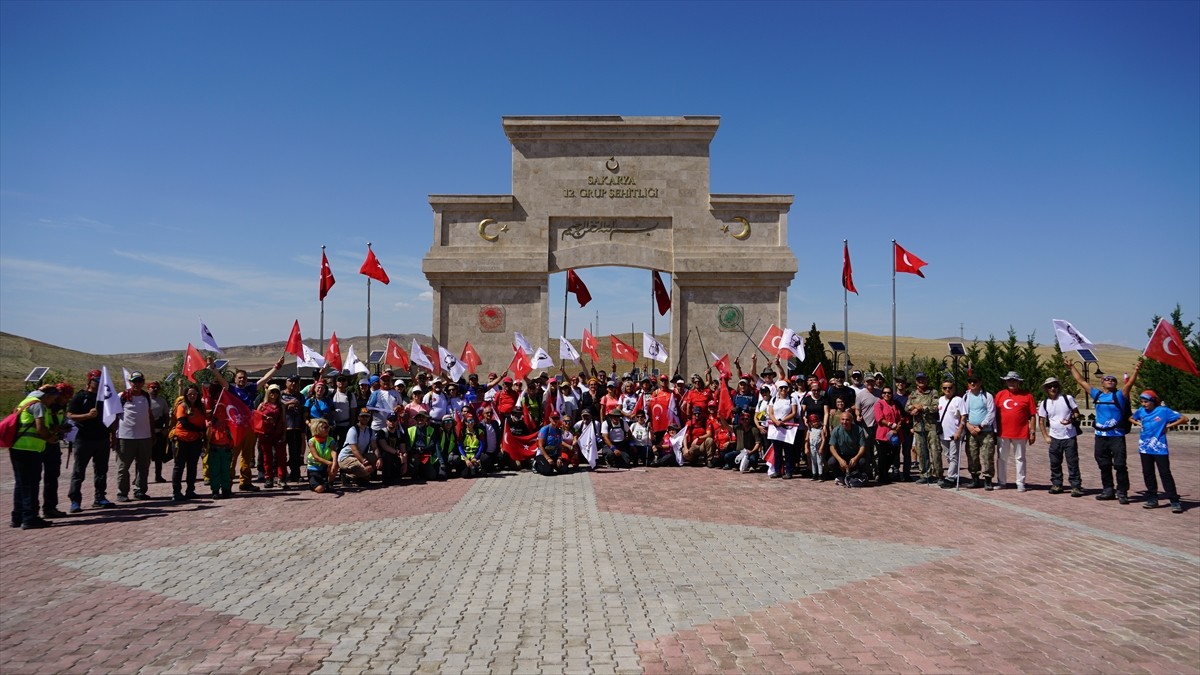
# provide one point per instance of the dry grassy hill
(20, 355)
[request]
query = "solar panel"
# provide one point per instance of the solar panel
(375, 356)
(37, 374)
(1087, 356)
(956, 349)
(219, 364)
(837, 346)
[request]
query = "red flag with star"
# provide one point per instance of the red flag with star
(235, 414)
(520, 366)
(519, 448)
(333, 353)
(575, 285)
(589, 345)
(661, 297)
(193, 361)
(327, 279)
(847, 271)
(372, 268)
(470, 357)
(908, 262)
(294, 346)
(622, 351)
(770, 340)
(1167, 346)
(395, 356)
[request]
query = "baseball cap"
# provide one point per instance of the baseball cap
(1149, 395)
(136, 376)
(93, 375)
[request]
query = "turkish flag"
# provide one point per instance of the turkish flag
(819, 373)
(235, 414)
(333, 353)
(396, 356)
(435, 359)
(589, 345)
(371, 268)
(193, 361)
(519, 448)
(661, 297)
(722, 365)
(575, 285)
(470, 357)
(1167, 346)
(724, 402)
(847, 271)
(519, 366)
(770, 341)
(622, 351)
(294, 346)
(327, 279)
(660, 411)
(907, 262)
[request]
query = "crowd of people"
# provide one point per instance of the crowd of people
(341, 431)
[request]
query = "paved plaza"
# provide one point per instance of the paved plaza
(665, 570)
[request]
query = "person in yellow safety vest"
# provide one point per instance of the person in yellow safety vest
(26, 455)
(423, 458)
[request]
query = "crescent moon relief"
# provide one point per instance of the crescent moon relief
(483, 233)
(743, 234)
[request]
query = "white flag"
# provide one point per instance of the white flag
(521, 343)
(419, 358)
(587, 443)
(451, 364)
(1070, 339)
(677, 443)
(354, 365)
(107, 395)
(207, 338)
(792, 343)
(541, 359)
(653, 349)
(311, 359)
(566, 351)
(672, 407)
(128, 384)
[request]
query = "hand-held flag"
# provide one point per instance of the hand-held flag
(847, 271)
(722, 366)
(519, 342)
(333, 353)
(207, 339)
(622, 351)
(908, 262)
(519, 448)
(295, 346)
(724, 402)
(770, 342)
(661, 297)
(566, 351)
(235, 414)
(107, 395)
(395, 356)
(470, 358)
(433, 357)
(1070, 339)
(519, 366)
(193, 361)
(589, 345)
(791, 344)
(354, 364)
(373, 269)
(451, 364)
(311, 359)
(575, 285)
(653, 349)
(419, 357)
(677, 443)
(587, 443)
(819, 373)
(1167, 346)
(327, 279)
(541, 359)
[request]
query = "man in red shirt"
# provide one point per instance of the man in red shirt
(699, 445)
(697, 398)
(1014, 408)
(506, 399)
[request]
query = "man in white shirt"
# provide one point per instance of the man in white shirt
(1056, 417)
(978, 429)
(950, 408)
(383, 402)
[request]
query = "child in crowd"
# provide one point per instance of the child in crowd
(642, 439)
(220, 457)
(322, 467)
(1155, 420)
(816, 447)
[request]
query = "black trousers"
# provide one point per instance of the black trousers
(96, 451)
(187, 455)
(295, 446)
(1069, 448)
(1163, 464)
(51, 470)
(27, 472)
(1110, 457)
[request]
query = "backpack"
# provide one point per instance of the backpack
(10, 427)
(1124, 425)
(1074, 412)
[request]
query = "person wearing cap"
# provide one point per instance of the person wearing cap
(295, 416)
(610, 401)
(321, 457)
(220, 453)
(907, 456)
(361, 395)
(698, 397)
(615, 433)
(135, 439)
(1058, 419)
(160, 417)
(838, 389)
(550, 459)
(1015, 407)
(506, 398)
(865, 398)
(343, 408)
(1155, 421)
(318, 403)
(359, 456)
(393, 451)
(446, 444)
(665, 447)
(888, 436)
(950, 407)
(469, 462)
(782, 415)
(423, 460)
(922, 409)
(247, 392)
(56, 421)
(191, 427)
(384, 401)
(1113, 413)
(436, 399)
(91, 445)
(722, 435)
(272, 440)
(26, 455)
(978, 421)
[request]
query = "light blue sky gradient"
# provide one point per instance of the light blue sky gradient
(161, 162)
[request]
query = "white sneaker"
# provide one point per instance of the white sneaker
(1022, 488)
(771, 474)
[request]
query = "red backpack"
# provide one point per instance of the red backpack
(10, 426)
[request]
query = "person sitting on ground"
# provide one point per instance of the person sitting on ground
(393, 451)
(1156, 420)
(466, 461)
(699, 442)
(445, 445)
(359, 456)
(423, 461)
(722, 435)
(615, 435)
(549, 459)
(847, 447)
(664, 448)
(747, 446)
(322, 467)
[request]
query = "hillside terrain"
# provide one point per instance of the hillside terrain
(19, 355)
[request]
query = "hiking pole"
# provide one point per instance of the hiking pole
(958, 466)
(703, 351)
(748, 339)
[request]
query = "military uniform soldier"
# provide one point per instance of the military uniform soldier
(923, 407)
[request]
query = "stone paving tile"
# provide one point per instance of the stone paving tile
(693, 571)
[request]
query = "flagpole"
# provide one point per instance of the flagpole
(893, 312)
(653, 307)
(846, 315)
(564, 333)
(322, 343)
(368, 310)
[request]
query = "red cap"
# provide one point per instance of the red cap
(1149, 393)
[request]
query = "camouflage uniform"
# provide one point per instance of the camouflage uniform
(926, 432)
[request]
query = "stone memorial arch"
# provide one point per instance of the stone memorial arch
(608, 190)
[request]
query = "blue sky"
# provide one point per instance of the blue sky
(161, 162)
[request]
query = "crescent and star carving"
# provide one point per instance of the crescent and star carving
(612, 165)
(483, 224)
(740, 236)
